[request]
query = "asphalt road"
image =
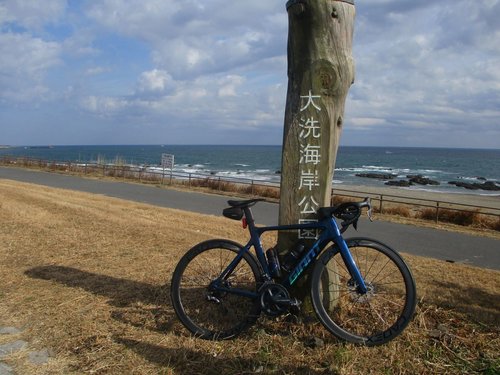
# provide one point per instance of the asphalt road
(448, 246)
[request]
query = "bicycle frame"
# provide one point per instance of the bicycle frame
(330, 232)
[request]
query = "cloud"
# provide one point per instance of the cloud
(26, 58)
(211, 105)
(31, 14)
(154, 81)
(24, 64)
(191, 38)
(96, 70)
(428, 66)
(427, 72)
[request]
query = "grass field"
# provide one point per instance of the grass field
(87, 277)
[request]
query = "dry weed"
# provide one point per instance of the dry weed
(88, 277)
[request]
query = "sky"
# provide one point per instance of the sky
(76, 72)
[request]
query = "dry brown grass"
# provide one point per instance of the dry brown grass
(219, 185)
(451, 216)
(87, 276)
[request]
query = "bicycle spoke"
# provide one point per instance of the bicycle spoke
(360, 317)
(381, 269)
(219, 312)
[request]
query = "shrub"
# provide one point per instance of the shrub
(427, 214)
(458, 217)
(336, 200)
(464, 218)
(496, 225)
(398, 211)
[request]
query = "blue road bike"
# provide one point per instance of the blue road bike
(361, 290)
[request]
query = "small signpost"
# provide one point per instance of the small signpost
(167, 162)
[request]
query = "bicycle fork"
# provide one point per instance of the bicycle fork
(331, 233)
(353, 269)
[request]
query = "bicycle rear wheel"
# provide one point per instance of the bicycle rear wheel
(208, 313)
(375, 317)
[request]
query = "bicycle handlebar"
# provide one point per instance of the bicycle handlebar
(348, 212)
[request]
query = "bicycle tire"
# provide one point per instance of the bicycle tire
(375, 317)
(215, 315)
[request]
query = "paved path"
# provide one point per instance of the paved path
(434, 243)
(14, 346)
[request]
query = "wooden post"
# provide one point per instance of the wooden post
(320, 72)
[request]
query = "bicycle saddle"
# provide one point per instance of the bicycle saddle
(244, 204)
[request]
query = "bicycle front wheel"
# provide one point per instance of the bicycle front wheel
(372, 318)
(209, 313)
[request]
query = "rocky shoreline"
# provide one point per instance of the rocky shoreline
(421, 180)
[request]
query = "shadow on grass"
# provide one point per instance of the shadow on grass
(186, 361)
(122, 292)
(480, 305)
(128, 296)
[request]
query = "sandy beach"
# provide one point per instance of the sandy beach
(475, 200)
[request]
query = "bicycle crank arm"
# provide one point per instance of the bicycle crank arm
(287, 302)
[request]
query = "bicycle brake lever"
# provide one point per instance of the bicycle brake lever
(369, 205)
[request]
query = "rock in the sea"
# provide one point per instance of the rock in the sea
(488, 185)
(421, 180)
(400, 183)
(380, 176)
(466, 185)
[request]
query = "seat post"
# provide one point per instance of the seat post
(249, 217)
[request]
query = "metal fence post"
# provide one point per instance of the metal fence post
(437, 212)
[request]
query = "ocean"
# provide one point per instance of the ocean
(263, 163)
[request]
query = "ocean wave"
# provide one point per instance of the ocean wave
(376, 167)
(243, 176)
(476, 179)
(182, 166)
(399, 172)
(430, 171)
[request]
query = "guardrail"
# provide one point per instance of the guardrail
(437, 205)
(155, 174)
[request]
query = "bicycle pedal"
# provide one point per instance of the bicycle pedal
(213, 299)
